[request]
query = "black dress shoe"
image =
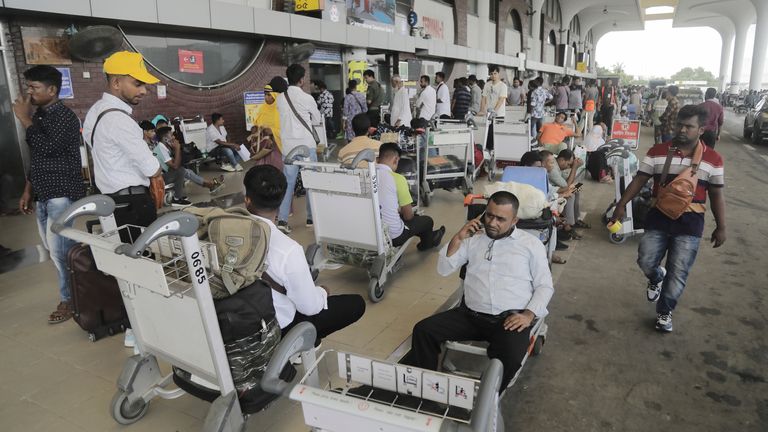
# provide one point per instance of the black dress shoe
(561, 246)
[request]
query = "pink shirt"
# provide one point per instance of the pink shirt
(715, 119)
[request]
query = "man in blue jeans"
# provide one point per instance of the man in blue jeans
(679, 238)
(55, 178)
(296, 122)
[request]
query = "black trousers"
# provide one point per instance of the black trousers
(342, 311)
(462, 324)
(606, 116)
(710, 138)
(420, 226)
(375, 116)
(140, 210)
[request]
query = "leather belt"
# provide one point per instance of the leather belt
(132, 190)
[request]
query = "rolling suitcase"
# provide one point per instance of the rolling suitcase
(98, 305)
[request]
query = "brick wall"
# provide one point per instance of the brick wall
(505, 21)
(181, 100)
(460, 22)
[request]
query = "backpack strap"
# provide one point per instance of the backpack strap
(98, 119)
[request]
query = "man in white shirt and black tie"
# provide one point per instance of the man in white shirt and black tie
(507, 284)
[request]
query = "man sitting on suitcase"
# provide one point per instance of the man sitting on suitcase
(265, 187)
(507, 285)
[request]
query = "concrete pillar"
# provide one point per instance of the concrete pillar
(725, 58)
(761, 46)
(534, 42)
(738, 54)
(483, 15)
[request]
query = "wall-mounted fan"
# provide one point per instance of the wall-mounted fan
(297, 53)
(95, 43)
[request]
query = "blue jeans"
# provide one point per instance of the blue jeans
(58, 246)
(291, 173)
(194, 178)
(681, 252)
(233, 158)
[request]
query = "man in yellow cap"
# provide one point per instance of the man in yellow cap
(122, 162)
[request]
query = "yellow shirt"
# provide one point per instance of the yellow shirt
(269, 117)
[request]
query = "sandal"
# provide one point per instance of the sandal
(218, 183)
(582, 224)
(558, 259)
(62, 313)
(575, 235)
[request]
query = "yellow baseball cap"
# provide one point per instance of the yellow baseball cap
(129, 63)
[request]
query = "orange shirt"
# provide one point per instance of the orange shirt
(554, 133)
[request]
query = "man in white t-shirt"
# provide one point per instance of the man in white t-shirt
(494, 99)
(443, 105)
(216, 142)
(427, 99)
(296, 129)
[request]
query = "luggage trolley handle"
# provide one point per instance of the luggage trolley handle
(299, 339)
(300, 152)
(94, 205)
(485, 410)
(176, 223)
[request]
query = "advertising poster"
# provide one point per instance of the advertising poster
(45, 46)
(191, 61)
(252, 101)
(66, 92)
(356, 69)
(629, 131)
(372, 14)
(309, 5)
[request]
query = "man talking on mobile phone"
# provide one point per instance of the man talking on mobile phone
(507, 285)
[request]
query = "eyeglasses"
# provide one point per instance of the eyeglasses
(489, 251)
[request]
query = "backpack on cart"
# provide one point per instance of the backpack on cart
(96, 299)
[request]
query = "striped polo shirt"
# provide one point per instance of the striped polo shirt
(710, 173)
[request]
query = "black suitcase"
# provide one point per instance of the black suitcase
(98, 305)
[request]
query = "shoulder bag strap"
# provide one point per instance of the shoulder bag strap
(98, 119)
(698, 154)
(273, 284)
(301, 119)
(667, 163)
(362, 105)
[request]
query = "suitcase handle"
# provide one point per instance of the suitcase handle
(175, 223)
(94, 205)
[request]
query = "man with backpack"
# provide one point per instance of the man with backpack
(684, 172)
(301, 300)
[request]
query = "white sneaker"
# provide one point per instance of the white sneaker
(227, 167)
(653, 290)
(238, 167)
(130, 339)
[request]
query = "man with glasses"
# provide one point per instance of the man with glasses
(507, 284)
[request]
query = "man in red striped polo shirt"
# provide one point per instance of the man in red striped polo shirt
(679, 238)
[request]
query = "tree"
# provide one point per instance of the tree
(698, 74)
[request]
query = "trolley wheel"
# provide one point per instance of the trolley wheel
(425, 198)
(375, 291)
(618, 238)
(124, 412)
(538, 345)
(168, 198)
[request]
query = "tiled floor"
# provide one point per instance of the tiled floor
(53, 378)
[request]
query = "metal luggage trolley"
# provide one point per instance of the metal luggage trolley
(339, 194)
(511, 140)
(164, 279)
(454, 148)
(619, 158)
(347, 392)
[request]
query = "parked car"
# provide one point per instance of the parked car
(756, 122)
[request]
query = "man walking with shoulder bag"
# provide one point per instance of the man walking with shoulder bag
(685, 171)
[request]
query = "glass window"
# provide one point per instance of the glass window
(404, 6)
(206, 60)
(472, 7)
(494, 11)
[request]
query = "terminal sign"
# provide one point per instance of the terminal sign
(309, 5)
(191, 61)
(629, 131)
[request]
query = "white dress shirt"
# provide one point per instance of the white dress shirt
(401, 108)
(287, 265)
(121, 158)
(212, 134)
(427, 103)
(443, 103)
(517, 276)
(390, 209)
(292, 132)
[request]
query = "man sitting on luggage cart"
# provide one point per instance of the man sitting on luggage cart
(552, 136)
(265, 187)
(507, 284)
(361, 123)
(397, 205)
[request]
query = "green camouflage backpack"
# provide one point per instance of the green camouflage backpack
(241, 243)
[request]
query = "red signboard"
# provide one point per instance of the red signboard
(433, 27)
(191, 61)
(629, 131)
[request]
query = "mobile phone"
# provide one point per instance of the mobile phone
(579, 185)
(482, 223)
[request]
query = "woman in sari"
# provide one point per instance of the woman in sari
(354, 104)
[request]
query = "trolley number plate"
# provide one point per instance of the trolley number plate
(197, 267)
